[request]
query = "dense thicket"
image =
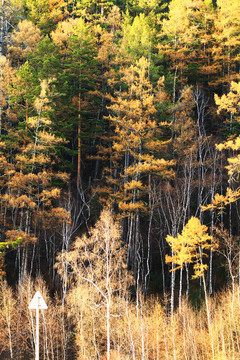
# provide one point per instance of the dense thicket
(119, 140)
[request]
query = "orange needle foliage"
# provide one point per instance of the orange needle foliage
(137, 138)
(231, 104)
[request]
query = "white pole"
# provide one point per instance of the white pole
(37, 303)
(37, 330)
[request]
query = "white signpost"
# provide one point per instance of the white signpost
(37, 303)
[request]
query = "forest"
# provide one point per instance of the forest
(119, 179)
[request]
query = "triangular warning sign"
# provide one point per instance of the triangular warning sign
(37, 302)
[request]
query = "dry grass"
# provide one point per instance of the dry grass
(137, 332)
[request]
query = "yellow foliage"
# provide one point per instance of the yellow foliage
(66, 29)
(230, 103)
(157, 166)
(22, 201)
(221, 201)
(134, 185)
(139, 33)
(199, 270)
(17, 181)
(33, 121)
(51, 139)
(178, 19)
(118, 147)
(40, 159)
(220, 147)
(47, 195)
(131, 207)
(55, 9)
(61, 215)
(188, 246)
(14, 235)
(62, 176)
(105, 51)
(31, 178)
(3, 162)
(137, 134)
(44, 178)
(24, 40)
(22, 159)
(230, 144)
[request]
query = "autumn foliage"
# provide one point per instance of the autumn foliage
(119, 178)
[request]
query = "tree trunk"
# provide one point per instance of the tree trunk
(79, 143)
(1, 54)
(2, 32)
